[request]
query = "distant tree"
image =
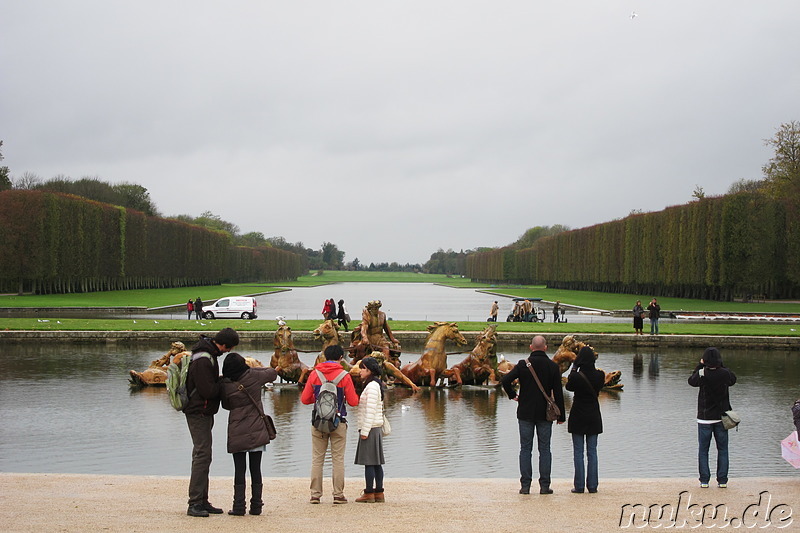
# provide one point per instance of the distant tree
(699, 193)
(355, 264)
(254, 239)
(534, 234)
(28, 181)
(744, 185)
(332, 257)
(209, 220)
(5, 180)
(136, 197)
(782, 172)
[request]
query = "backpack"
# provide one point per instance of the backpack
(176, 381)
(325, 416)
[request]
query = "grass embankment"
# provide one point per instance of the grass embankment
(178, 296)
(127, 324)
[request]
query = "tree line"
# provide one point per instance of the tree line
(741, 244)
(58, 243)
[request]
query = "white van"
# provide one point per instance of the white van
(243, 307)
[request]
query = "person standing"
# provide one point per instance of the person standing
(198, 308)
(247, 429)
(713, 380)
(556, 309)
(532, 409)
(493, 312)
(190, 308)
(638, 317)
(204, 389)
(326, 309)
(369, 452)
(585, 422)
(331, 309)
(655, 314)
(342, 316)
(337, 439)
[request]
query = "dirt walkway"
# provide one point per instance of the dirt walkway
(65, 502)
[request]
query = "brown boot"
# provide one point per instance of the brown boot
(378, 496)
(367, 497)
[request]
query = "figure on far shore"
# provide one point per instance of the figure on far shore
(326, 309)
(342, 316)
(198, 308)
(493, 312)
(190, 309)
(638, 317)
(373, 325)
(332, 311)
(556, 309)
(655, 314)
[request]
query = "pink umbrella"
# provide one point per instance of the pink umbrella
(790, 449)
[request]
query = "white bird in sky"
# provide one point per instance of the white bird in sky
(634, 15)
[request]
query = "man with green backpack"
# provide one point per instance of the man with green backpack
(204, 389)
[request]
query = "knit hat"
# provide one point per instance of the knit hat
(712, 358)
(586, 357)
(234, 366)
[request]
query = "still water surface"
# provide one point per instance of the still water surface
(68, 409)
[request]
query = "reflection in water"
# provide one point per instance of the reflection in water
(72, 403)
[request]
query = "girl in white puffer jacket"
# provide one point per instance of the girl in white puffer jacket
(369, 452)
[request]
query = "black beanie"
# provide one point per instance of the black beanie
(234, 366)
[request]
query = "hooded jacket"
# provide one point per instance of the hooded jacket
(202, 380)
(246, 429)
(584, 416)
(713, 379)
(345, 391)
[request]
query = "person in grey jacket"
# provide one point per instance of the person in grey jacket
(713, 380)
(247, 430)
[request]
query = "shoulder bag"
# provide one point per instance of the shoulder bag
(553, 412)
(271, 431)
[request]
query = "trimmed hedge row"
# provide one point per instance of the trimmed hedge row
(714, 248)
(56, 243)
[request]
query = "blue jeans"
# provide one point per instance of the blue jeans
(653, 326)
(544, 431)
(591, 458)
(704, 432)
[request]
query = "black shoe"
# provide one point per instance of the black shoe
(545, 491)
(576, 491)
(197, 509)
(592, 491)
(524, 491)
(211, 509)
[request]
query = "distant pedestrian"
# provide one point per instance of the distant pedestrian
(326, 309)
(713, 379)
(190, 308)
(638, 317)
(342, 316)
(493, 312)
(332, 310)
(198, 308)
(556, 310)
(655, 314)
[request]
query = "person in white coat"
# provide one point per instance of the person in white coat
(369, 452)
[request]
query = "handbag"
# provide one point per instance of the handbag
(386, 428)
(553, 412)
(730, 419)
(272, 432)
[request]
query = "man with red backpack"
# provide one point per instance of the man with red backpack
(333, 432)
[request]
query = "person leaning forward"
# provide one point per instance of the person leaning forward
(337, 440)
(531, 412)
(204, 388)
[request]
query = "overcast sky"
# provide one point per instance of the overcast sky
(395, 128)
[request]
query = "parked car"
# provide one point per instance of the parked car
(243, 307)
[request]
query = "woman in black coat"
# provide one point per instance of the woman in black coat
(585, 422)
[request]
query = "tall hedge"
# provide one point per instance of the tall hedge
(56, 243)
(718, 248)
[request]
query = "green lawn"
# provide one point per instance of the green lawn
(127, 324)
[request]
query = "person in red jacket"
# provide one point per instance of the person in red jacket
(204, 388)
(337, 439)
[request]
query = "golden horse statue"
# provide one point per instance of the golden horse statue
(388, 371)
(479, 365)
(285, 360)
(429, 367)
(568, 351)
(328, 333)
(156, 374)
